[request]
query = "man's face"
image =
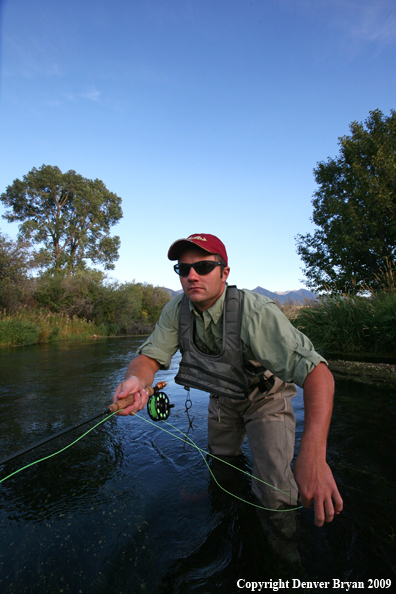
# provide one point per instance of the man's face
(203, 290)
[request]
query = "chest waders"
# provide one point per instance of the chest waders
(224, 374)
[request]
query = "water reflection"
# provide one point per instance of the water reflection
(128, 509)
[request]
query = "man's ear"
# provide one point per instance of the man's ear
(226, 272)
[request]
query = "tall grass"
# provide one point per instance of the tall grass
(30, 326)
(351, 324)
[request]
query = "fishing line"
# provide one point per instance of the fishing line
(202, 452)
(185, 439)
(59, 451)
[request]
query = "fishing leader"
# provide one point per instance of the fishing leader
(238, 346)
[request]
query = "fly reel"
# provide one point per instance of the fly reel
(158, 406)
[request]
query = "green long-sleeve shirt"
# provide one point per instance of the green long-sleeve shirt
(266, 333)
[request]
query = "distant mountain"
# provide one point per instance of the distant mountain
(282, 297)
(172, 292)
(294, 297)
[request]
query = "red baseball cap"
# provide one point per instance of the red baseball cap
(209, 243)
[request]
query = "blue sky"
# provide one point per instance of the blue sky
(202, 115)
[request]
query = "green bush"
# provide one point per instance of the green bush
(117, 308)
(351, 324)
(18, 332)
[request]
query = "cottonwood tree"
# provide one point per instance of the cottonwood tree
(68, 215)
(354, 209)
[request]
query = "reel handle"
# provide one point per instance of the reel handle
(124, 402)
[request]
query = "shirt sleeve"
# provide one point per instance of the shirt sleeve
(274, 342)
(163, 343)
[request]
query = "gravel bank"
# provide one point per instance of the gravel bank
(376, 373)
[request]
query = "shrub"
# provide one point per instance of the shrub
(18, 332)
(16, 262)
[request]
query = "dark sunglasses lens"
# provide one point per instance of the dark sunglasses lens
(182, 269)
(204, 267)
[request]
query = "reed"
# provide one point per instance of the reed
(351, 324)
(29, 326)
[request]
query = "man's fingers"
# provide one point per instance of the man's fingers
(319, 515)
(120, 393)
(325, 510)
(140, 401)
(136, 406)
(306, 501)
(329, 510)
(140, 398)
(338, 502)
(123, 394)
(126, 411)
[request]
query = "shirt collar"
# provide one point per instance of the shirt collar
(214, 312)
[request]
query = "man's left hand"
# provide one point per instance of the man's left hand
(316, 483)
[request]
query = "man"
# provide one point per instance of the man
(238, 346)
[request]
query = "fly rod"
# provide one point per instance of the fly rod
(158, 408)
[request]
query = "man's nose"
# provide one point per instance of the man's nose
(192, 275)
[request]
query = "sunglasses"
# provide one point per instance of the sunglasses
(203, 267)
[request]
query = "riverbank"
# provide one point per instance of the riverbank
(28, 327)
(367, 373)
(105, 306)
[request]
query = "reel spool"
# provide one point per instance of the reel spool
(158, 406)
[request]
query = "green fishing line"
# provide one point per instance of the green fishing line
(184, 439)
(59, 451)
(202, 452)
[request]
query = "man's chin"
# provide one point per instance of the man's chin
(195, 297)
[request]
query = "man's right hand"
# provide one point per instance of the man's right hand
(132, 385)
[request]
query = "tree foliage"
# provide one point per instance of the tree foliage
(87, 295)
(67, 214)
(354, 209)
(118, 308)
(16, 261)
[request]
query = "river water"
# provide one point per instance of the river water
(131, 509)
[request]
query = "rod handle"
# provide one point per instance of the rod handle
(124, 402)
